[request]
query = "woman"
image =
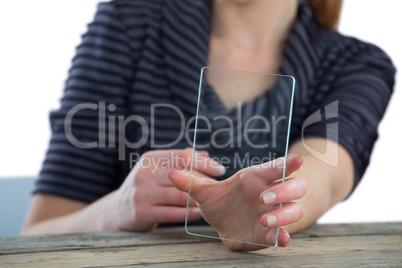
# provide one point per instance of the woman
(138, 53)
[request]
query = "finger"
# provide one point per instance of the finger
(208, 166)
(291, 189)
(163, 179)
(273, 170)
(200, 187)
(287, 214)
(203, 153)
(155, 177)
(165, 214)
(182, 159)
(162, 196)
(191, 203)
(283, 238)
(272, 238)
(200, 162)
(198, 173)
(173, 197)
(151, 176)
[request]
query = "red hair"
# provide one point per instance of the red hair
(327, 12)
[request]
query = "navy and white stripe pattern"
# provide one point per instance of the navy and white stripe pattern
(138, 53)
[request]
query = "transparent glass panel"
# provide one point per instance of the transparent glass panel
(243, 120)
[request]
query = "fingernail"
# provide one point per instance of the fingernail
(271, 220)
(221, 169)
(269, 197)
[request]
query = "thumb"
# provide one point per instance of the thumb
(198, 187)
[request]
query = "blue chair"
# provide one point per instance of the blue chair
(15, 196)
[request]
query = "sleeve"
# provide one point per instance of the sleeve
(356, 102)
(82, 158)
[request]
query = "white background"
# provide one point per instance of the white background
(37, 43)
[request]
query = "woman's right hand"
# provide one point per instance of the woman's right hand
(147, 197)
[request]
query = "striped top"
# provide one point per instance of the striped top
(138, 53)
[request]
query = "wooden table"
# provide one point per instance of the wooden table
(335, 245)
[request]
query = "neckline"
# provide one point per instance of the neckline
(197, 22)
(214, 103)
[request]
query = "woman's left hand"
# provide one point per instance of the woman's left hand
(245, 207)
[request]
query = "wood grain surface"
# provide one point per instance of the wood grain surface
(326, 245)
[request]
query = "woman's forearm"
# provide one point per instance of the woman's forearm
(327, 185)
(73, 218)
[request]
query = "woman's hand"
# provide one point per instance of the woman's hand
(245, 207)
(147, 196)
